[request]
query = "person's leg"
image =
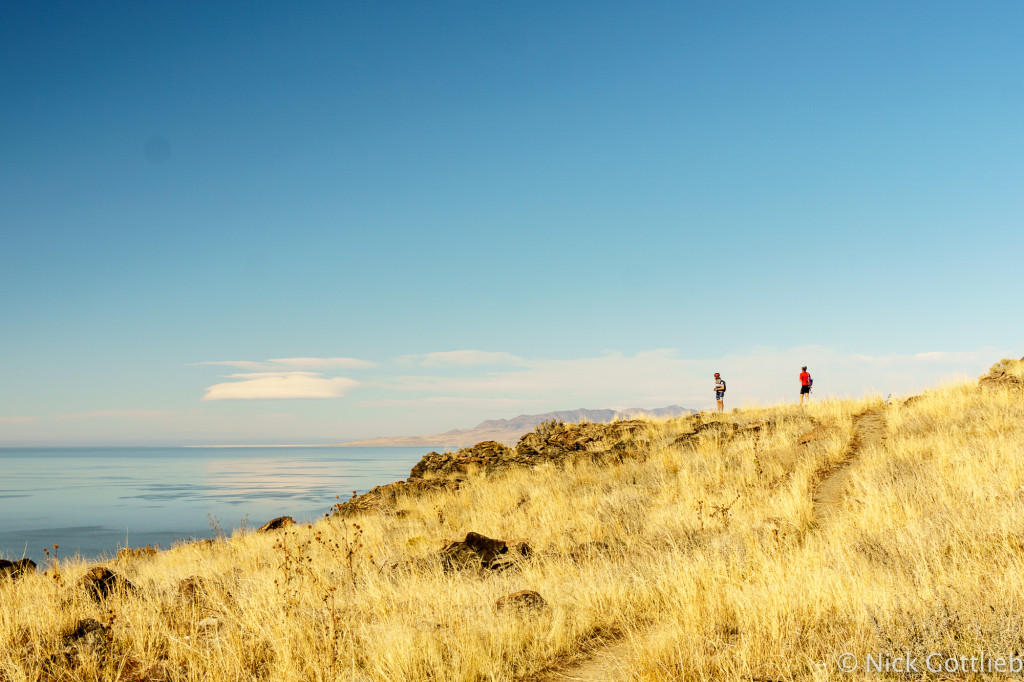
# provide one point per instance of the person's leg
(721, 406)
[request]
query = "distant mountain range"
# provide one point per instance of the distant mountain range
(509, 431)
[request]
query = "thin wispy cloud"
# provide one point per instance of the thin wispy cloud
(120, 414)
(280, 386)
(465, 358)
(17, 420)
(293, 363)
(662, 376)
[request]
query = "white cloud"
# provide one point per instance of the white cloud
(280, 385)
(17, 420)
(120, 414)
(465, 358)
(323, 363)
(293, 363)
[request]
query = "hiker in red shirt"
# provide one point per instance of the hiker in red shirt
(805, 385)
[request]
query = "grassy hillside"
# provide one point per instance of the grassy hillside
(758, 545)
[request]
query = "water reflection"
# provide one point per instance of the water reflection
(156, 495)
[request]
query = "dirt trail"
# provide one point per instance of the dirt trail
(606, 663)
(869, 428)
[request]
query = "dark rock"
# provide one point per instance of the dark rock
(87, 638)
(276, 524)
(524, 600)
(99, 583)
(85, 629)
(458, 556)
(482, 552)
(16, 569)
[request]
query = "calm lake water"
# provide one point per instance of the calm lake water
(93, 501)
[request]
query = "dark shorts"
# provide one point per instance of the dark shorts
(719, 395)
(805, 389)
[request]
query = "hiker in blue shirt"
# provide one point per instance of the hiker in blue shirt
(720, 391)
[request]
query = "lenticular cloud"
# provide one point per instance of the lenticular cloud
(280, 385)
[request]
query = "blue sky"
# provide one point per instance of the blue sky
(251, 222)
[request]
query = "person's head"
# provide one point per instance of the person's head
(717, 375)
(804, 368)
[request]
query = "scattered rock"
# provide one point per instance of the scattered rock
(480, 551)
(192, 590)
(524, 600)
(99, 583)
(276, 524)
(84, 629)
(1006, 373)
(87, 638)
(16, 569)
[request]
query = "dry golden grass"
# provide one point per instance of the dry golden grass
(706, 555)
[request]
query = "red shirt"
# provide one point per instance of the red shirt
(805, 378)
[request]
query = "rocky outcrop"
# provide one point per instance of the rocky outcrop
(16, 569)
(385, 496)
(721, 430)
(1006, 373)
(279, 523)
(100, 583)
(488, 456)
(557, 442)
(552, 441)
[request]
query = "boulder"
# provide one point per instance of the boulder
(16, 569)
(99, 583)
(279, 523)
(524, 600)
(552, 441)
(482, 552)
(87, 635)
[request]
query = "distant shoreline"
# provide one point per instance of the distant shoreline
(315, 445)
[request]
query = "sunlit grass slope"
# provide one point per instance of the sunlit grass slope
(705, 552)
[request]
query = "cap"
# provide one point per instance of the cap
(717, 374)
